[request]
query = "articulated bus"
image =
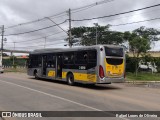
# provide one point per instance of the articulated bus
(91, 64)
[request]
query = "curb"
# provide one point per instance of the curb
(143, 82)
(150, 84)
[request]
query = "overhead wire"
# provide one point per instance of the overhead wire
(39, 45)
(42, 39)
(83, 8)
(38, 38)
(111, 25)
(36, 29)
(136, 22)
(117, 18)
(56, 15)
(122, 13)
(64, 13)
(38, 20)
(90, 6)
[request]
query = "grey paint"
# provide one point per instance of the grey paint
(100, 54)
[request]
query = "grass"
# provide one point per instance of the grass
(143, 76)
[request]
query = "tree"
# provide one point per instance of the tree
(87, 35)
(140, 41)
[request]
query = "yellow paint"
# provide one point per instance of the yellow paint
(114, 70)
(51, 74)
(81, 77)
(85, 77)
(64, 75)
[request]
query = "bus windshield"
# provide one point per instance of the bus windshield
(117, 52)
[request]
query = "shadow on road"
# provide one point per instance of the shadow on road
(87, 86)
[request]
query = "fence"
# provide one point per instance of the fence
(15, 69)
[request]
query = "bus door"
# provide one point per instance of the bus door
(44, 64)
(59, 66)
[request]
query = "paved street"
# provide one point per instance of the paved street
(19, 92)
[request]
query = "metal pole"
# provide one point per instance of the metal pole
(70, 34)
(45, 42)
(96, 24)
(1, 59)
(12, 53)
(96, 35)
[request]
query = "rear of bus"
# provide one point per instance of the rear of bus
(111, 64)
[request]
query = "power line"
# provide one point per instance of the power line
(136, 22)
(38, 20)
(53, 40)
(39, 45)
(90, 6)
(61, 13)
(35, 45)
(64, 38)
(58, 15)
(35, 30)
(37, 38)
(149, 12)
(118, 13)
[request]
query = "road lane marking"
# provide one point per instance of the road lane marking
(97, 93)
(54, 96)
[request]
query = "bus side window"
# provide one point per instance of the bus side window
(81, 57)
(92, 56)
(68, 58)
(51, 61)
(85, 56)
(40, 61)
(35, 61)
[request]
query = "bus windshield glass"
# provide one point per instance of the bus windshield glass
(117, 52)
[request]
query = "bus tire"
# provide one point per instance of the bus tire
(70, 79)
(36, 74)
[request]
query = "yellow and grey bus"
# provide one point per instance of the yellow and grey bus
(91, 64)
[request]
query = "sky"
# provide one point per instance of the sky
(17, 16)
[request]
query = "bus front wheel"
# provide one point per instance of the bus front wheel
(70, 79)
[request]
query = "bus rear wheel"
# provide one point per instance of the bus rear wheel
(70, 79)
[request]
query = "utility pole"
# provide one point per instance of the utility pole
(96, 24)
(1, 62)
(96, 35)
(45, 42)
(12, 54)
(70, 34)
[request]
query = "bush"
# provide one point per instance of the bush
(157, 62)
(131, 62)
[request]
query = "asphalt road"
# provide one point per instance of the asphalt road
(19, 92)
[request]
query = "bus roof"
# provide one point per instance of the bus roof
(49, 50)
